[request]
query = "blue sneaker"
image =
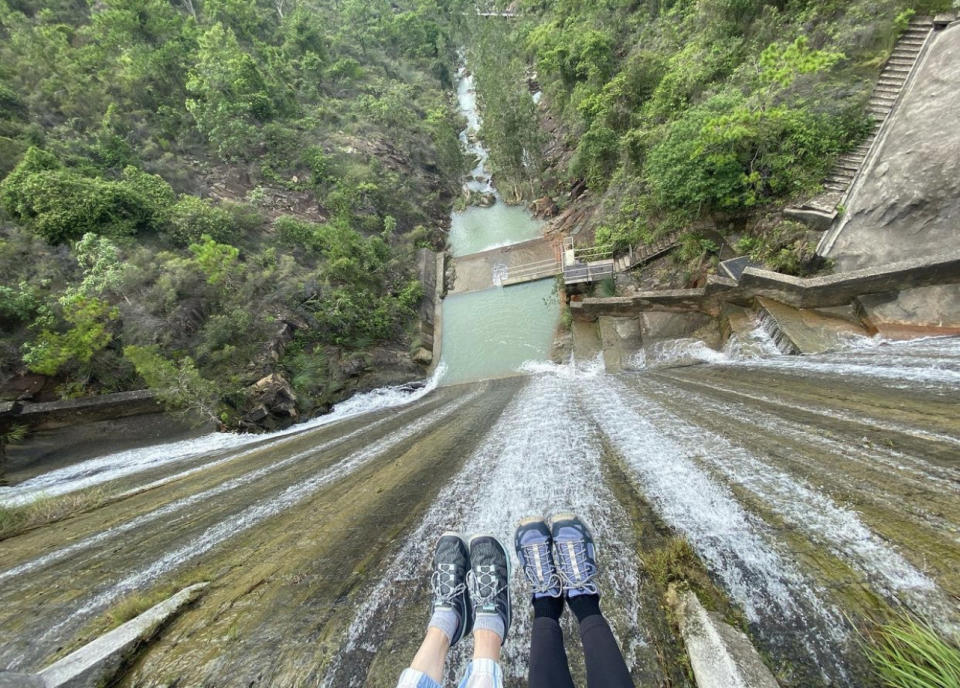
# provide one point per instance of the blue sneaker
(576, 555)
(489, 582)
(534, 546)
(451, 562)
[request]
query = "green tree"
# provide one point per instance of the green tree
(88, 333)
(191, 218)
(229, 98)
(59, 204)
(216, 261)
(178, 384)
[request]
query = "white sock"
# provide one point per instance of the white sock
(447, 620)
(489, 622)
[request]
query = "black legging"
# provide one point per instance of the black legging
(548, 659)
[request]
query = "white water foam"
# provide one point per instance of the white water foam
(885, 426)
(801, 506)
(254, 515)
(180, 504)
(521, 469)
(923, 475)
(737, 546)
(126, 463)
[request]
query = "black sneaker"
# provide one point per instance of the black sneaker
(490, 579)
(451, 562)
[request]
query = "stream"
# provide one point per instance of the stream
(816, 490)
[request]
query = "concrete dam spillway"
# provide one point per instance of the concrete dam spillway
(814, 490)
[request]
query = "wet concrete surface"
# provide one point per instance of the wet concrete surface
(818, 491)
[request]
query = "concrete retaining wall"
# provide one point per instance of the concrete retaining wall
(810, 292)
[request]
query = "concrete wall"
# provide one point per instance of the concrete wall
(906, 204)
(907, 201)
(813, 292)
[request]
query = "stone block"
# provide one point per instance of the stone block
(720, 655)
(96, 663)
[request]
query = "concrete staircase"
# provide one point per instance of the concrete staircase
(822, 209)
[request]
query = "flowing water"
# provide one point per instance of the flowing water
(490, 333)
(816, 491)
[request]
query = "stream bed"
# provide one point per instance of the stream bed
(491, 333)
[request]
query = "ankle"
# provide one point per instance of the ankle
(486, 644)
(548, 607)
(584, 605)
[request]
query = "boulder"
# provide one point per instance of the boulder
(271, 404)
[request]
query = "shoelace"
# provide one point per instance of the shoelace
(552, 584)
(573, 562)
(484, 586)
(442, 584)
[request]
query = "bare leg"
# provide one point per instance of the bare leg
(486, 645)
(432, 654)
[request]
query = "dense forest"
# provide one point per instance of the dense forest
(186, 181)
(703, 116)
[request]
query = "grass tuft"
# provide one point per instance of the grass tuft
(18, 519)
(908, 653)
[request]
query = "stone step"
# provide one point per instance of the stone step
(843, 182)
(833, 186)
(882, 99)
(901, 62)
(848, 165)
(907, 51)
(889, 91)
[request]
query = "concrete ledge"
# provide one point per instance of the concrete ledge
(808, 331)
(55, 414)
(815, 219)
(799, 292)
(720, 655)
(96, 663)
(837, 290)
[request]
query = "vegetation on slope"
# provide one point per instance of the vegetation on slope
(907, 653)
(182, 180)
(693, 113)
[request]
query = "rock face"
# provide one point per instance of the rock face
(907, 203)
(273, 404)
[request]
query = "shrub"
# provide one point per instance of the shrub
(59, 204)
(178, 384)
(88, 333)
(18, 305)
(215, 260)
(192, 218)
